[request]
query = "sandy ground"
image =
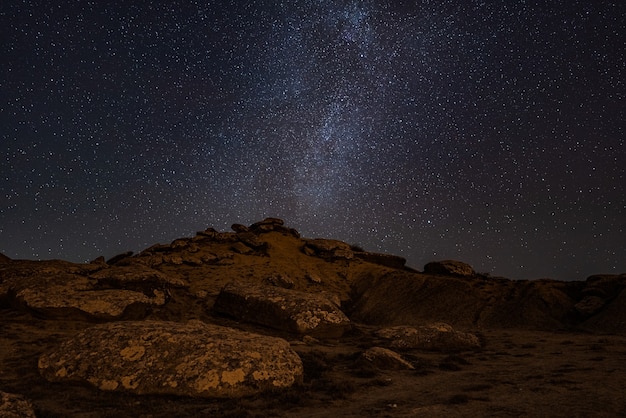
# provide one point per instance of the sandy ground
(516, 373)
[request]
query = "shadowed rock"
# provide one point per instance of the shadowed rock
(449, 268)
(287, 310)
(437, 337)
(192, 359)
(15, 406)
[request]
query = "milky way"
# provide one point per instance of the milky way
(488, 132)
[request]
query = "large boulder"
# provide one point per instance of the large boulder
(15, 406)
(283, 309)
(168, 358)
(449, 268)
(435, 337)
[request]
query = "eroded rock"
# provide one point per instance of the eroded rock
(288, 310)
(191, 359)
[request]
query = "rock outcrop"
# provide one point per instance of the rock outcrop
(283, 309)
(438, 337)
(190, 359)
(59, 289)
(449, 268)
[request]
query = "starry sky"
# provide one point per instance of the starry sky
(490, 132)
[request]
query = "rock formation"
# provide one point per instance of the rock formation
(287, 310)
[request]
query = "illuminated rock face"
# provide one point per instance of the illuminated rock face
(287, 310)
(190, 359)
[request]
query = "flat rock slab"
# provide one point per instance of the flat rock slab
(436, 337)
(65, 294)
(168, 358)
(283, 309)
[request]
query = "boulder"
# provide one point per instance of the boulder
(385, 359)
(4, 259)
(283, 309)
(168, 358)
(329, 249)
(15, 406)
(449, 268)
(589, 305)
(435, 337)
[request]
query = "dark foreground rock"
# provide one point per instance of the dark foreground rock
(191, 359)
(15, 406)
(287, 310)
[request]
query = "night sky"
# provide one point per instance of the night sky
(490, 132)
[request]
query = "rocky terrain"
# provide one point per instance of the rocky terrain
(263, 322)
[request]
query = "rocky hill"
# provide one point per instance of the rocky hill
(229, 315)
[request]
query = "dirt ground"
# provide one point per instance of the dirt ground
(515, 373)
